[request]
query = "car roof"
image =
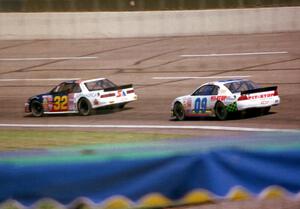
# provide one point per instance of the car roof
(222, 82)
(231, 80)
(81, 80)
(70, 81)
(90, 80)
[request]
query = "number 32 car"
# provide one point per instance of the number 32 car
(222, 98)
(80, 96)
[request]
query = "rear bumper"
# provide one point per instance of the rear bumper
(258, 103)
(114, 101)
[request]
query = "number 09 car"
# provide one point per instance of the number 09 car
(222, 98)
(80, 96)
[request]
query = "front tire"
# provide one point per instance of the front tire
(37, 108)
(221, 111)
(178, 111)
(84, 107)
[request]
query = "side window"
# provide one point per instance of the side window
(71, 88)
(67, 88)
(206, 90)
(76, 88)
(99, 85)
(58, 88)
(215, 91)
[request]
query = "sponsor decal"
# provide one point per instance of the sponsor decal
(96, 102)
(187, 103)
(261, 96)
(264, 102)
(60, 103)
(218, 98)
(119, 93)
(232, 107)
(90, 95)
(200, 105)
(71, 103)
(47, 102)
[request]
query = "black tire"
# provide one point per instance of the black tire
(221, 111)
(266, 110)
(36, 108)
(242, 114)
(178, 111)
(260, 111)
(121, 106)
(84, 107)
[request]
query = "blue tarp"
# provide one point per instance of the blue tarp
(173, 176)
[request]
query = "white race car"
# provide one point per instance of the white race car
(221, 98)
(80, 96)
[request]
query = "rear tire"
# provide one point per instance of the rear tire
(265, 110)
(179, 111)
(121, 106)
(37, 108)
(221, 111)
(84, 107)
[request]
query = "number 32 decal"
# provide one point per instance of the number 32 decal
(60, 103)
(200, 105)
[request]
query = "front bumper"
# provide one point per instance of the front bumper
(27, 107)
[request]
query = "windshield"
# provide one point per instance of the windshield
(239, 86)
(99, 85)
(66, 88)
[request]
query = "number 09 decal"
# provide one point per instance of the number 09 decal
(60, 103)
(200, 105)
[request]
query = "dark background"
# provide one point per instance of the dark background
(134, 5)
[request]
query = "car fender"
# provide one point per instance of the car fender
(180, 99)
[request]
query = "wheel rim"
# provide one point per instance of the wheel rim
(37, 109)
(221, 111)
(179, 112)
(83, 107)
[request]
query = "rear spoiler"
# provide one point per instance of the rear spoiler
(127, 86)
(272, 88)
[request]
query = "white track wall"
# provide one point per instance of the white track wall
(147, 24)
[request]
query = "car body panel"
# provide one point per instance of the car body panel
(60, 100)
(204, 104)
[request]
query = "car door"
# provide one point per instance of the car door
(60, 98)
(201, 99)
(63, 97)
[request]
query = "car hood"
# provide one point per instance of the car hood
(182, 97)
(38, 96)
(179, 99)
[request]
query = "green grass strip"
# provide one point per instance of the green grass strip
(31, 139)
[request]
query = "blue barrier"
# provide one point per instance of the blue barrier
(173, 176)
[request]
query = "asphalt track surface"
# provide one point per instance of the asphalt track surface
(32, 67)
(159, 73)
